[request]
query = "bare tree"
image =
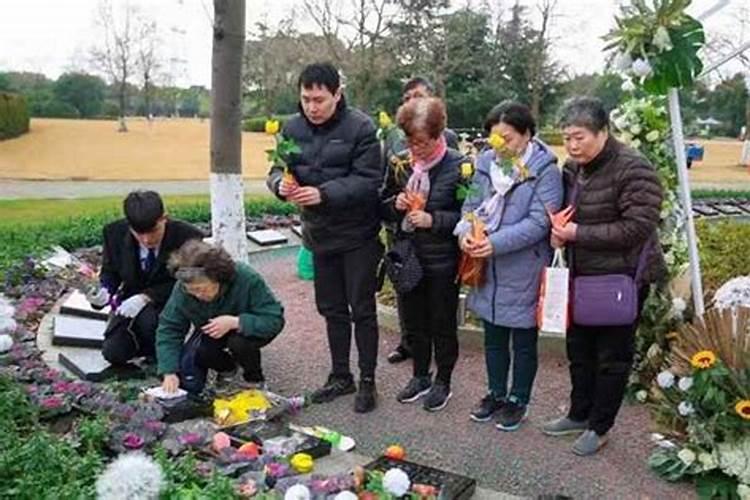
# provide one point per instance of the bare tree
(148, 59)
(115, 53)
(227, 200)
(539, 66)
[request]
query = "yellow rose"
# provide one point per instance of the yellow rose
(496, 141)
(384, 120)
(272, 127)
(466, 170)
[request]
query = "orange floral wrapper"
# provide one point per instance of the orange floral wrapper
(471, 269)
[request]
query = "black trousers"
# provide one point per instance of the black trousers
(600, 362)
(345, 286)
(231, 350)
(126, 338)
(429, 314)
(406, 337)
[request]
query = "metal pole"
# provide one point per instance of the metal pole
(682, 174)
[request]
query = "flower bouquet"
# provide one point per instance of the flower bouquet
(702, 401)
(279, 156)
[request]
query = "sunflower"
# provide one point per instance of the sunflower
(743, 408)
(703, 359)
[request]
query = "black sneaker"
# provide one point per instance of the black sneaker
(511, 416)
(365, 400)
(415, 389)
(438, 397)
(335, 386)
(488, 406)
(398, 355)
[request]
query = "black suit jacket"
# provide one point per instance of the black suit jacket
(121, 265)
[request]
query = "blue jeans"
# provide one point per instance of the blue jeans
(497, 353)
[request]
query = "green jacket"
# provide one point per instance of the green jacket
(246, 296)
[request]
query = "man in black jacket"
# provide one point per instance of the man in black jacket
(335, 183)
(134, 277)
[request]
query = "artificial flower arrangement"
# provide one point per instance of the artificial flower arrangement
(657, 44)
(702, 403)
(285, 147)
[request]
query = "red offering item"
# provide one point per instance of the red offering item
(471, 269)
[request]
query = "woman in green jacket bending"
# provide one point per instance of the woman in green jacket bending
(227, 303)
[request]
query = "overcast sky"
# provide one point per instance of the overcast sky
(52, 36)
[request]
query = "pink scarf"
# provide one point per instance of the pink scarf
(419, 182)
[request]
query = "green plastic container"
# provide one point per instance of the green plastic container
(305, 267)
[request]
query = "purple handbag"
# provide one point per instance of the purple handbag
(607, 299)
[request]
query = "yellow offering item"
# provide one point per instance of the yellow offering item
(238, 408)
(302, 463)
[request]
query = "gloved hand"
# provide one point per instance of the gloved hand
(98, 297)
(131, 307)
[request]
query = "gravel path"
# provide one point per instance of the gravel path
(521, 463)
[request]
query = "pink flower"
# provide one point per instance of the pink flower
(132, 441)
(52, 374)
(61, 386)
(154, 426)
(51, 403)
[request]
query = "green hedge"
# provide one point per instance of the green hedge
(14, 115)
(21, 240)
(258, 123)
(724, 248)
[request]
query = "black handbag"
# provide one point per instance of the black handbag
(402, 266)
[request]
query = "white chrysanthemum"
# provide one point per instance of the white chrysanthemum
(685, 408)
(641, 68)
(678, 307)
(687, 456)
(623, 61)
(685, 383)
(652, 136)
(7, 324)
(708, 461)
(641, 396)
(396, 482)
(734, 459)
(298, 492)
(628, 85)
(733, 293)
(661, 39)
(743, 490)
(665, 379)
(345, 495)
(132, 476)
(5, 343)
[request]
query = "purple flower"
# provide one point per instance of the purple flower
(132, 441)
(190, 439)
(154, 426)
(61, 386)
(276, 469)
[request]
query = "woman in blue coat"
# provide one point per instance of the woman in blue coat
(513, 201)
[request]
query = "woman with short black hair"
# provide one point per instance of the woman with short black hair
(230, 307)
(511, 194)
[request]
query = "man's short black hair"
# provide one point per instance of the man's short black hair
(512, 113)
(143, 209)
(320, 74)
(416, 82)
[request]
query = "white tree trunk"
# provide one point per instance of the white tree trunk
(228, 214)
(227, 203)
